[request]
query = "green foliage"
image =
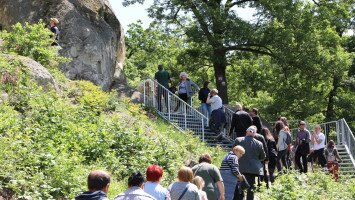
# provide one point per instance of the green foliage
(32, 41)
(310, 186)
(147, 48)
(10, 75)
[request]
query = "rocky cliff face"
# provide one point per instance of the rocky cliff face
(90, 34)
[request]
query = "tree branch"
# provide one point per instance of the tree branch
(249, 48)
(175, 15)
(230, 4)
(203, 24)
(315, 2)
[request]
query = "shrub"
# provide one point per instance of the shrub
(310, 186)
(32, 41)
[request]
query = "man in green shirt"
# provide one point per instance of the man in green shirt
(163, 79)
(214, 186)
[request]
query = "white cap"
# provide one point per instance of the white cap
(251, 129)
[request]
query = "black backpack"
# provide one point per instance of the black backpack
(288, 139)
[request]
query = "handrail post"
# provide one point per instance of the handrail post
(144, 100)
(154, 94)
(343, 132)
(169, 99)
(185, 116)
(349, 134)
(203, 128)
(338, 132)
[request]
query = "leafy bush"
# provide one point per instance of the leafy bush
(32, 41)
(310, 186)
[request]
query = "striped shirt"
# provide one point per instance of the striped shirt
(230, 162)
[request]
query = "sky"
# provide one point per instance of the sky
(136, 12)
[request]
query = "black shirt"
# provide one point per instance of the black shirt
(257, 123)
(55, 30)
(203, 94)
(241, 121)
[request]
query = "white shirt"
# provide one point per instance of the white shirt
(134, 193)
(216, 102)
(319, 136)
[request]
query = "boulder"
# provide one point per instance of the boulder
(36, 71)
(90, 34)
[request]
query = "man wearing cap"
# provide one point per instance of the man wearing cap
(250, 164)
(303, 149)
(163, 78)
(54, 22)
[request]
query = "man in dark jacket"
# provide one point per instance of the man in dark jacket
(98, 184)
(163, 78)
(250, 164)
(241, 120)
(256, 119)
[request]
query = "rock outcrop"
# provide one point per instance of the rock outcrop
(36, 71)
(90, 34)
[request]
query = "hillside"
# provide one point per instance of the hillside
(52, 133)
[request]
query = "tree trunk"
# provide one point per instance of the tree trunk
(330, 114)
(220, 66)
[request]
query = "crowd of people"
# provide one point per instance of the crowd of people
(253, 159)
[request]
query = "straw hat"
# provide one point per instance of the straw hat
(55, 20)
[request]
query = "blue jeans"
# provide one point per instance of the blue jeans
(206, 111)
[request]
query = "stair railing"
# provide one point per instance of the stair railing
(229, 115)
(338, 131)
(172, 108)
(346, 138)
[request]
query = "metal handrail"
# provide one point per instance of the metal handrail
(229, 116)
(153, 98)
(347, 139)
(344, 135)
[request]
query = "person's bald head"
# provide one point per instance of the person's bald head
(98, 180)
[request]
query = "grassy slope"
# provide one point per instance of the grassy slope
(51, 140)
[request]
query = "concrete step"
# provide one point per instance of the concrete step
(346, 159)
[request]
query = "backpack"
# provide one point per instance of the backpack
(331, 156)
(288, 139)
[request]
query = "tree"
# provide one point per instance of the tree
(292, 53)
(149, 47)
(217, 24)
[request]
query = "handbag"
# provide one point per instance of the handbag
(244, 184)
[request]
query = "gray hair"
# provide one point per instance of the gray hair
(184, 74)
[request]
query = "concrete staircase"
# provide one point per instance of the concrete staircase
(192, 123)
(346, 168)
